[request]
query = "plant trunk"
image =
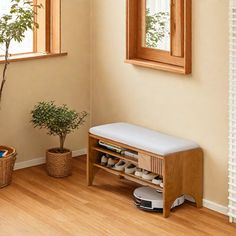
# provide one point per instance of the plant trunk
(4, 70)
(62, 141)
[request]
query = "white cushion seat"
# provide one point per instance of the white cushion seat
(143, 138)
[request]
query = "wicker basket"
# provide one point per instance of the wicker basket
(58, 164)
(6, 166)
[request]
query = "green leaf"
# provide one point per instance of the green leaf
(20, 19)
(58, 120)
(156, 27)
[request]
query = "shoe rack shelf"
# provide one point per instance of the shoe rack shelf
(182, 172)
(130, 177)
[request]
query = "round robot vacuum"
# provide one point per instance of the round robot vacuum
(149, 199)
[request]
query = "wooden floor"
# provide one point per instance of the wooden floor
(36, 204)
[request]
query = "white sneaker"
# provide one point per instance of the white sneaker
(147, 175)
(104, 160)
(157, 180)
(111, 162)
(138, 172)
(162, 185)
(120, 166)
(130, 169)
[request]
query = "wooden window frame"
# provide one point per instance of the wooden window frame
(52, 26)
(179, 59)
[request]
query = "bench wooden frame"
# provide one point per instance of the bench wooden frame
(182, 172)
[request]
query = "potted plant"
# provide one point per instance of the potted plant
(59, 121)
(12, 28)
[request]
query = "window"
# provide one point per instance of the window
(27, 44)
(159, 34)
(44, 40)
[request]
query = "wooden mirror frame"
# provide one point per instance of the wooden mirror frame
(179, 59)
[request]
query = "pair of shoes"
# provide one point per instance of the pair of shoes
(158, 181)
(139, 172)
(120, 165)
(144, 174)
(107, 161)
(104, 160)
(126, 166)
(130, 169)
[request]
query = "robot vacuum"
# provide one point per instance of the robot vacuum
(149, 199)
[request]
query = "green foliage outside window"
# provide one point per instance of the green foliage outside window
(156, 27)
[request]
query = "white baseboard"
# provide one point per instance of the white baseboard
(30, 163)
(211, 205)
(80, 152)
(41, 160)
(215, 207)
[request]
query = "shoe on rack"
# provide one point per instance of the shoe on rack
(157, 180)
(147, 175)
(104, 160)
(120, 165)
(138, 172)
(111, 162)
(130, 169)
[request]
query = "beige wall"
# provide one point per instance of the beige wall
(193, 107)
(65, 80)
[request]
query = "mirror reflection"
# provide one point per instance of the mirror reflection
(157, 24)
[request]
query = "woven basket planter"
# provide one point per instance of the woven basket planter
(58, 164)
(6, 166)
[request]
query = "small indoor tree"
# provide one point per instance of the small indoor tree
(21, 17)
(13, 27)
(58, 120)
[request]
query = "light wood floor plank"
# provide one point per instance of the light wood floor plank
(36, 204)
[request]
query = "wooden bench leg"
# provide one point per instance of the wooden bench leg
(199, 203)
(166, 209)
(90, 172)
(91, 159)
(197, 198)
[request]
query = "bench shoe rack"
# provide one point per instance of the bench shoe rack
(182, 171)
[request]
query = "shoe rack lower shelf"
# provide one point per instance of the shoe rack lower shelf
(130, 177)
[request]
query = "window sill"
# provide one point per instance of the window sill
(157, 66)
(32, 56)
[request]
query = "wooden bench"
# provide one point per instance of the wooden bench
(178, 161)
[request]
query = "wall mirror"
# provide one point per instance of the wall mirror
(159, 34)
